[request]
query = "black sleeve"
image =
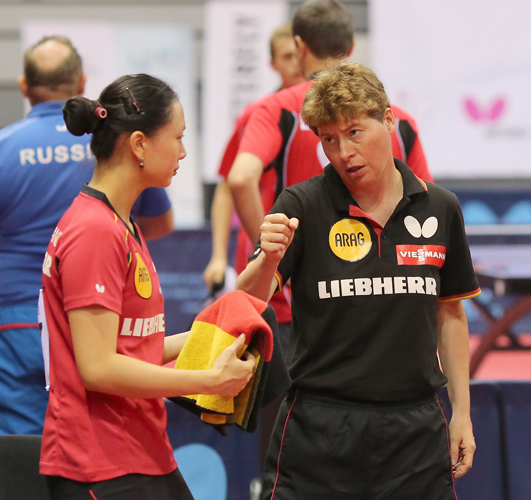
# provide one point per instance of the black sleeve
(287, 203)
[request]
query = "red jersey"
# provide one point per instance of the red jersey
(233, 145)
(407, 146)
(268, 180)
(93, 259)
(244, 247)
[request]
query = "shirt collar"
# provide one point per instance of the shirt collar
(47, 108)
(90, 191)
(342, 199)
(94, 193)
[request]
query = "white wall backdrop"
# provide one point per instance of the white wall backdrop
(462, 68)
(236, 67)
(166, 51)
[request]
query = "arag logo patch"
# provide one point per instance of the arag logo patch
(350, 240)
(143, 283)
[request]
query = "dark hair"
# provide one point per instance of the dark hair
(67, 73)
(325, 26)
(132, 102)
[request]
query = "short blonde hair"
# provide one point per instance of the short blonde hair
(342, 93)
(283, 31)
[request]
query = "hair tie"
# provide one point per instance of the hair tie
(100, 112)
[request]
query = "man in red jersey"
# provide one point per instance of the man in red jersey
(278, 150)
(284, 61)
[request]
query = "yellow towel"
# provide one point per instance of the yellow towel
(214, 329)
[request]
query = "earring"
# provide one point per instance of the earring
(142, 163)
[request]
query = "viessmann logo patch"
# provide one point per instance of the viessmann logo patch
(350, 240)
(420, 255)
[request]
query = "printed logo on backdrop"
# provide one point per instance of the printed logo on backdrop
(246, 35)
(479, 112)
(350, 240)
(490, 116)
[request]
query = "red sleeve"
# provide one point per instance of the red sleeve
(417, 161)
(234, 142)
(262, 136)
(230, 154)
(94, 265)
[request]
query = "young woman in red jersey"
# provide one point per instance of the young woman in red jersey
(105, 427)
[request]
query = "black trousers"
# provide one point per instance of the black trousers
(324, 448)
(129, 487)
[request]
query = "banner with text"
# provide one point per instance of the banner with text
(236, 68)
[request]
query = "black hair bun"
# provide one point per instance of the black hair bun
(80, 115)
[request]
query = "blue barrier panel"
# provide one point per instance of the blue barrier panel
(485, 480)
(516, 404)
(181, 258)
(500, 202)
(215, 467)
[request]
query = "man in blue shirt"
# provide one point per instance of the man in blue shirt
(42, 169)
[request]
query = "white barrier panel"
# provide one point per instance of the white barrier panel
(170, 55)
(93, 40)
(236, 68)
(462, 68)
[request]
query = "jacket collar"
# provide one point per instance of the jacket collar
(46, 109)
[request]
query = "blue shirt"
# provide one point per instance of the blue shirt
(42, 169)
